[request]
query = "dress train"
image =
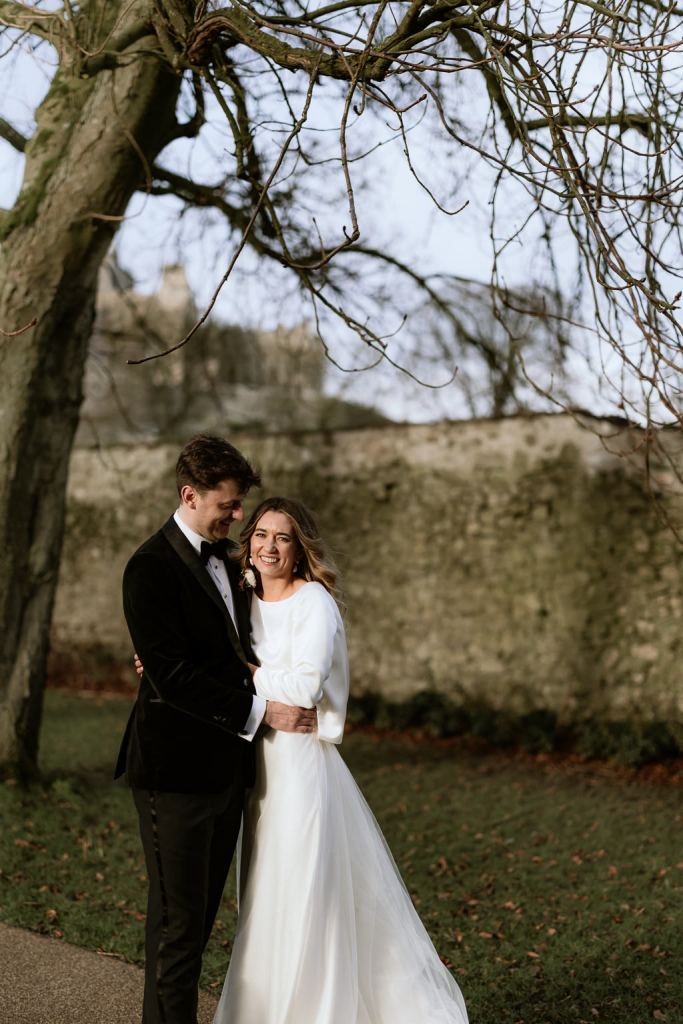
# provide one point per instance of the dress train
(327, 931)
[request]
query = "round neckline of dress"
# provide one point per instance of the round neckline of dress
(283, 600)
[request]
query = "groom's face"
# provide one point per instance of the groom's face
(212, 513)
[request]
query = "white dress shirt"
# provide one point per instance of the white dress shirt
(219, 574)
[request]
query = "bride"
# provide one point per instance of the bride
(327, 933)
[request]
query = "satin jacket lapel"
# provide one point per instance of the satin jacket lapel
(189, 556)
(242, 603)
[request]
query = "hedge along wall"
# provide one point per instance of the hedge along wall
(517, 564)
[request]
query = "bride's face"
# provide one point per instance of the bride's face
(274, 548)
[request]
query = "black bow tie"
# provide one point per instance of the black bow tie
(215, 549)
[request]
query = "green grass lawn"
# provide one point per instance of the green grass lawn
(552, 890)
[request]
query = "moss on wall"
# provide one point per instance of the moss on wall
(516, 565)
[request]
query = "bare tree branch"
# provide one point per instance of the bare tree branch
(110, 55)
(32, 20)
(623, 119)
(19, 330)
(12, 135)
(594, 154)
(296, 128)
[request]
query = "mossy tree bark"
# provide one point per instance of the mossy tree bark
(96, 137)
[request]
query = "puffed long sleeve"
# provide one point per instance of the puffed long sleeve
(315, 672)
(312, 647)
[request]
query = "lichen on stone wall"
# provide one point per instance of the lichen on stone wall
(519, 565)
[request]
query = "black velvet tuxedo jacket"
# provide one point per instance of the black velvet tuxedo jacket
(196, 692)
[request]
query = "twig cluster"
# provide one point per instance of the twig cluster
(574, 108)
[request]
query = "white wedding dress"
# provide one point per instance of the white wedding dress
(327, 932)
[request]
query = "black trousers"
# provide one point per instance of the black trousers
(189, 841)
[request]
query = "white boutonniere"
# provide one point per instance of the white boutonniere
(249, 577)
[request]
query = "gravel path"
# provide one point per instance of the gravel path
(46, 981)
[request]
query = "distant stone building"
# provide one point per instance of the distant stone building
(226, 377)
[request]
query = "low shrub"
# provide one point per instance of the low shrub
(538, 731)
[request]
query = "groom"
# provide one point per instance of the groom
(187, 751)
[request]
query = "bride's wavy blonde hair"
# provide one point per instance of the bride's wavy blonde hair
(315, 561)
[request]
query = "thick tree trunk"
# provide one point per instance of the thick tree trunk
(93, 141)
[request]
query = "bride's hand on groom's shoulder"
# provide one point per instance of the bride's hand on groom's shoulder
(285, 718)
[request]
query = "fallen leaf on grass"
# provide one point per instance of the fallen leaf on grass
(26, 844)
(442, 866)
(136, 914)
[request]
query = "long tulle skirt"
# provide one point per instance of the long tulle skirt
(327, 931)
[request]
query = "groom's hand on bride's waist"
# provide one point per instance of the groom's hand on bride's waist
(289, 719)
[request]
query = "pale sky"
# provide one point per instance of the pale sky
(398, 215)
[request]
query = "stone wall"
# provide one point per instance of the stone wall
(521, 562)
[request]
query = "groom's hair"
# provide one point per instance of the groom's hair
(206, 461)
